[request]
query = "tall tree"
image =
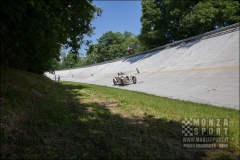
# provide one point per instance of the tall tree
(32, 31)
(69, 61)
(165, 21)
(109, 46)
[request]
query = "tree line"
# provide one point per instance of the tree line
(109, 46)
(34, 31)
(166, 21)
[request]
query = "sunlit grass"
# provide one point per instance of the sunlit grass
(137, 104)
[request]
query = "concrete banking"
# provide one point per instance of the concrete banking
(203, 70)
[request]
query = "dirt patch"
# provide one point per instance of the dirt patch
(110, 104)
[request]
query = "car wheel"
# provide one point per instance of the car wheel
(122, 82)
(114, 82)
(134, 79)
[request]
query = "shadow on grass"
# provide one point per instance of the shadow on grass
(69, 127)
(97, 133)
(100, 133)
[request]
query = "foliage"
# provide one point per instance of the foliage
(72, 61)
(113, 45)
(165, 21)
(32, 31)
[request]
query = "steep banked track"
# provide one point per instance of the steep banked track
(204, 70)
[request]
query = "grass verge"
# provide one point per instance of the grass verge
(42, 119)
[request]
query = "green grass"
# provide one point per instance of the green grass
(42, 119)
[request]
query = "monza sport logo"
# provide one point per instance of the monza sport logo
(205, 132)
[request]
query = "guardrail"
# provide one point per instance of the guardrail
(220, 30)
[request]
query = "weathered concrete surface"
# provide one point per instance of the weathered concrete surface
(205, 71)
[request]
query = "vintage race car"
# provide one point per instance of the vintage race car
(124, 79)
